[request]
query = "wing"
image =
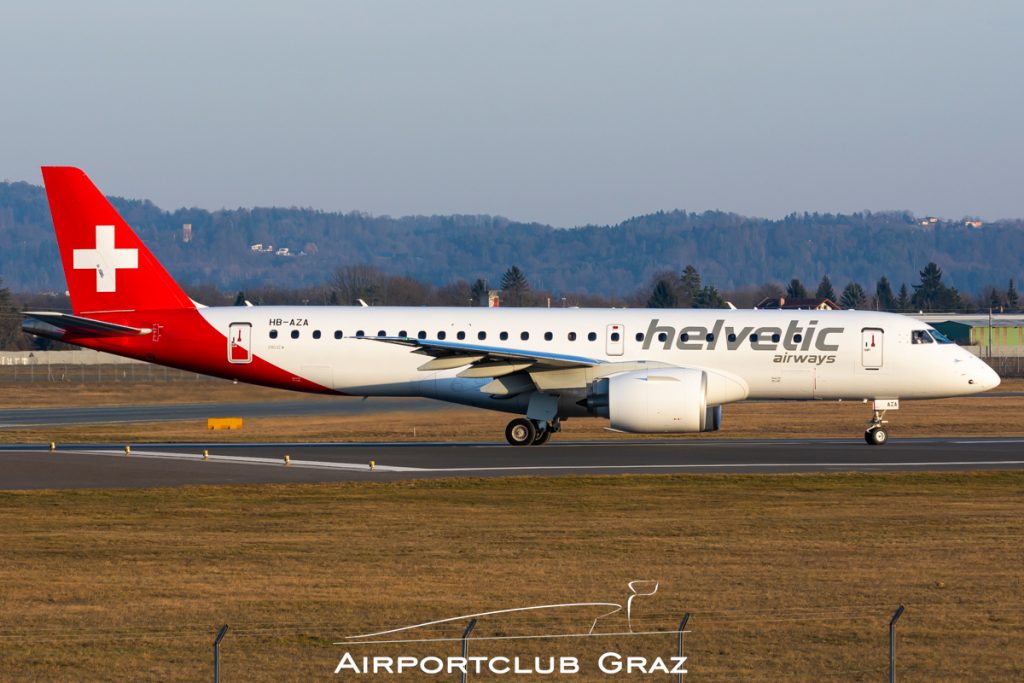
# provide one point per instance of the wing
(486, 361)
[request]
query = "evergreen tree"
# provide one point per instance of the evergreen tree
(903, 298)
(689, 286)
(709, 297)
(853, 296)
(825, 290)
(10, 321)
(1012, 300)
(478, 292)
(240, 299)
(931, 294)
(796, 290)
(993, 296)
(515, 286)
(662, 296)
(884, 298)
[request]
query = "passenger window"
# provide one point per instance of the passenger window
(592, 336)
(572, 336)
(548, 336)
(776, 338)
(360, 333)
(524, 336)
(461, 335)
(422, 334)
(710, 338)
(316, 334)
(615, 336)
(797, 338)
(441, 335)
(273, 334)
(920, 337)
(753, 338)
(503, 336)
(295, 334)
(732, 337)
(402, 333)
(684, 337)
(481, 335)
(338, 334)
(662, 336)
(639, 336)
(381, 333)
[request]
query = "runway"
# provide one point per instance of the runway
(107, 466)
(171, 412)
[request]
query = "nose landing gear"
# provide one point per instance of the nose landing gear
(876, 433)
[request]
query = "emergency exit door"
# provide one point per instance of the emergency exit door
(240, 343)
(871, 348)
(615, 340)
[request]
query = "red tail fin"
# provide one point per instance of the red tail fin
(107, 266)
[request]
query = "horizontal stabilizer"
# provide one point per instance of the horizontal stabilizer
(56, 325)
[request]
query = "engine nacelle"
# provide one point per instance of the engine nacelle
(659, 400)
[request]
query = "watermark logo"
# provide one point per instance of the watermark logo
(611, 663)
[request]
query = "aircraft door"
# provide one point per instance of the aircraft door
(871, 348)
(615, 339)
(240, 343)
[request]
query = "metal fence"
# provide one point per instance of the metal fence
(74, 373)
(1006, 366)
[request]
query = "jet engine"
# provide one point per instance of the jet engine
(658, 400)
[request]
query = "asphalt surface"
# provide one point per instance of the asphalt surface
(171, 412)
(103, 466)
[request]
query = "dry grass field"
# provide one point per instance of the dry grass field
(788, 577)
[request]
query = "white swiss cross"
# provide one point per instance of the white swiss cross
(105, 259)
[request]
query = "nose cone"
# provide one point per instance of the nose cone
(991, 379)
(983, 377)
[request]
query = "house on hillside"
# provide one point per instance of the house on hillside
(809, 304)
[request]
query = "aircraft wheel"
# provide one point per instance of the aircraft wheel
(876, 436)
(542, 437)
(521, 432)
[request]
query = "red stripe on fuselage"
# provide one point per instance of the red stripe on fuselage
(182, 338)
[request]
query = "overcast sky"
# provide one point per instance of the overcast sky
(559, 112)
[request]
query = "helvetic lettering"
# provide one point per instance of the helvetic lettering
(795, 338)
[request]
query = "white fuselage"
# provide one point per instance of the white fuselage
(774, 354)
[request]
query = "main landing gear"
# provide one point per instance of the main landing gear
(525, 432)
(877, 434)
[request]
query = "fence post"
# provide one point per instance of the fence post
(682, 625)
(465, 644)
(892, 644)
(216, 652)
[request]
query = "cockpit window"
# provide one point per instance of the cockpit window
(920, 337)
(939, 337)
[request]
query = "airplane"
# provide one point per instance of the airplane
(666, 371)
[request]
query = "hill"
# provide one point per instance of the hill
(729, 250)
